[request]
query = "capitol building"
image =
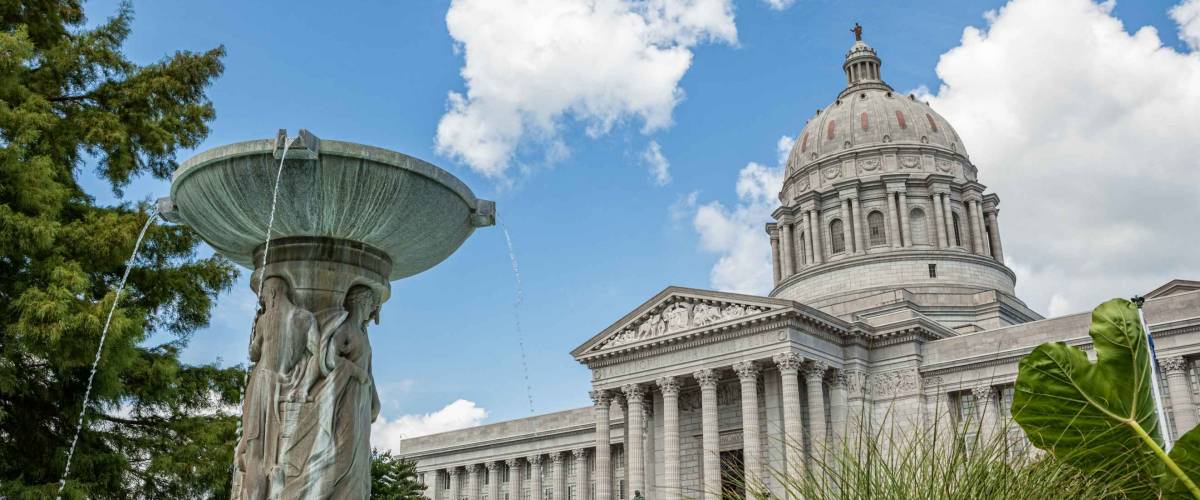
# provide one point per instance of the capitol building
(892, 306)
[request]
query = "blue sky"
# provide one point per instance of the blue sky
(594, 231)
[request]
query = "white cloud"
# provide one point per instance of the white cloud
(529, 64)
(660, 168)
(387, 434)
(737, 233)
(1187, 16)
(779, 4)
(1088, 135)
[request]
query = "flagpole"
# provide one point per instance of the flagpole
(1138, 300)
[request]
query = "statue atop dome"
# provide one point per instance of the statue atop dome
(857, 32)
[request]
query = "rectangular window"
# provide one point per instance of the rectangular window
(933, 270)
(528, 473)
(621, 489)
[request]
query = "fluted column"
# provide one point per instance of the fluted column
(473, 481)
(847, 228)
(904, 228)
(939, 225)
(776, 260)
(893, 217)
(583, 483)
(788, 263)
(535, 476)
(948, 216)
(602, 403)
(860, 227)
(814, 375)
(985, 408)
(994, 236)
(793, 425)
(747, 372)
(559, 475)
(635, 448)
(431, 484)
(837, 409)
(815, 245)
(455, 491)
(514, 478)
(1180, 389)
(710, 439)
(976, 228)
(670, 394)
(493, 472)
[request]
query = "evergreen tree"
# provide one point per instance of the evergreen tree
(70, 100)
(394, 478)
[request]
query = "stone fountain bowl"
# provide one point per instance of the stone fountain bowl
(414, 212)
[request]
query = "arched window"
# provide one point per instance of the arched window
(836, 238)
(918, 226)
(957, 233)
(875, 228)
(801, 247)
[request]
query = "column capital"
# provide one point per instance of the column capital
(579, 453)
(746, 370)
(557, 457)
(787, 361)
(706, 378)
(473, 468)
(534, 460)
(669, 385)
(633, 392)
(492, 465)
(815, 368)
(1173, 364)
(982, 392)
(600, 397)
(453, 471)
(513, 463)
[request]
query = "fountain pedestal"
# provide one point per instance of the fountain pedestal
(350, 220)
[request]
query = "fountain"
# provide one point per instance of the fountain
(349, 220)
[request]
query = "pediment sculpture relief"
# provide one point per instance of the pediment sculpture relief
(677, 315)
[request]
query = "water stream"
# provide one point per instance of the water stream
(520, 297)
(87, 393)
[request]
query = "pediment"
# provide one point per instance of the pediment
(678, 310)
(1173, 287)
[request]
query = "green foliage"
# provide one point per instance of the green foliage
(394, 478)
(944, 460)
(1100, 417)
(69, 98)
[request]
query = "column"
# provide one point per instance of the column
(710, 440)
(813, 241)
(455, 492)
(814, 375)
(431, 484)
(837, 409)
(893, 216)
(776, 264)
(559, 488)
(473, 482)
(847, 227)
(860, 227)
(535, 477)
(976, 228)
(793, 426)
(514, 478)
(994, 235)
(798, 249)
(583, 483)
(939, 225)
(634, 447)
(789, 266)
(985, 408)
(493, 470)
(903, 205)
(670, 394)
(747, 372)
(602, 404)
(948, 217)
(1180, 389)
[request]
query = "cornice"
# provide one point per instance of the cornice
(890, 256)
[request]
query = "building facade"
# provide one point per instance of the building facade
(892, 306)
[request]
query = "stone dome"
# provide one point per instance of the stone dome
(867, 114)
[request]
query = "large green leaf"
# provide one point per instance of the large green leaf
(1186, 454)
(1099, 416)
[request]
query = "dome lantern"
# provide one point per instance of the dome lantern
(862, 65)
